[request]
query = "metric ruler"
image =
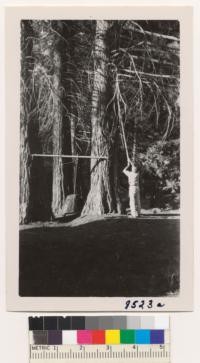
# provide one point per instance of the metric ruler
(99, 339)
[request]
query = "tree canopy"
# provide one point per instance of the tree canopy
(133, 66)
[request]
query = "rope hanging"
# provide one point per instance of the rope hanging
(75, 174)
(122, 126)
(124, 138)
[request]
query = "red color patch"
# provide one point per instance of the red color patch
(98, 337)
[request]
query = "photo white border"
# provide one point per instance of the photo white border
(182, 302)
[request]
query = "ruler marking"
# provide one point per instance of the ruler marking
(116, 353)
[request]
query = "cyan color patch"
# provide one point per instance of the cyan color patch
(142, 336)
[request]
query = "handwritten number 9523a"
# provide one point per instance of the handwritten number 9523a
(141, 304)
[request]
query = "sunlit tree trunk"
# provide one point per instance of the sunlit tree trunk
(24, 197)
(58, 176)
(134, 187)
(48, 75)
(99, 199)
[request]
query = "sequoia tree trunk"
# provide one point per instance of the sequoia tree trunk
(50, 115)
(99, 199)
(25, 157)
(58, 195)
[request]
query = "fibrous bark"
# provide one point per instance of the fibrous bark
(24, 197)
(58, 177)
(50, 114)
(99, 199)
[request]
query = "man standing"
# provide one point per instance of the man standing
(134, 190)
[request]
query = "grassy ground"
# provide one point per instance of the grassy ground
(115, 256)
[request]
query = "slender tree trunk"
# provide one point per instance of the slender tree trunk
(134, 190)
(99, 199)
(25, 157)
(73, 144)
(58, 196)
(74, 152)
(119, 207)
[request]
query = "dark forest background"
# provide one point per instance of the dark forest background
(85, 85)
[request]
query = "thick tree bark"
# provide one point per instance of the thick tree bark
(99, 199)
(58, 196)
(24, 197)
(48, 69)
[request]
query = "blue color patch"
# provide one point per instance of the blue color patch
(142, 336)
(157, 336)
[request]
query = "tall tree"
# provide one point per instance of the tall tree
(58, 177)
(49, 102)
(25, 156)
(99, 199)
(147, 83)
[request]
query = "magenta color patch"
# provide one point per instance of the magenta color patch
(84, 337)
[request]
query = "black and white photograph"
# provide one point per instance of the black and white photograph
(104, 196)
(99, 158)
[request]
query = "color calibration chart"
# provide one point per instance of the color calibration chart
(99, 339)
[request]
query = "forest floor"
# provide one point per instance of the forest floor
(101, 256)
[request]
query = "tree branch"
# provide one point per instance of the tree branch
(151, 74)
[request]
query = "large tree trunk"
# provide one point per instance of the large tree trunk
(25, 157)
(58, 196)
(99, 199)
(50, 114)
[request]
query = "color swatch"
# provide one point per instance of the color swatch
(96, 330)
(98, 322)
(111, 336)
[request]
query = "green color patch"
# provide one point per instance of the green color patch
(127, 336)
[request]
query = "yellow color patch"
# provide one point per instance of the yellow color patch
(112, 336)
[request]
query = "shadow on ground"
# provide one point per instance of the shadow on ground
(109, 257)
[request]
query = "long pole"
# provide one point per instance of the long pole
(69, 156)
